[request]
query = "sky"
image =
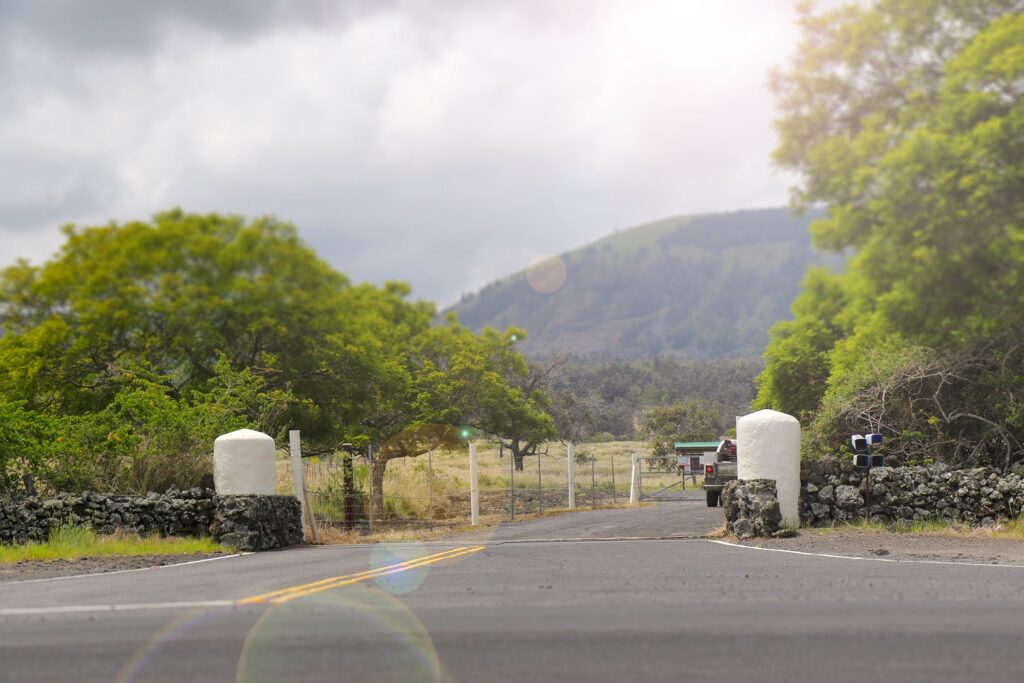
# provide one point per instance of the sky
(447, 144)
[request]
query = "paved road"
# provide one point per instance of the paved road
(517, 607)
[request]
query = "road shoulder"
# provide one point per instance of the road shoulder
(30, 570)
(898, 546)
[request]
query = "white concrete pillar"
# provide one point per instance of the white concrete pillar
(634, 480)
(474, 489)
(243, 463)
(768, 447)
(571, 453)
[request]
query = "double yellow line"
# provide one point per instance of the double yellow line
(279, 597)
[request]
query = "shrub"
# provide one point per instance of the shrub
(960, 407)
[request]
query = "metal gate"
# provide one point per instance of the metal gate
(655, 482)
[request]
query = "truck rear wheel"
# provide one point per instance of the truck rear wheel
(713, 498)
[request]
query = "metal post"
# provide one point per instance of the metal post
(571, 455)
(540, 489)
(474, 489)
(614, 499)
(867, 491)
(430, 489)
(593, 483)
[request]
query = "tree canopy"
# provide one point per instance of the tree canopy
(128, 352)
(904, 118)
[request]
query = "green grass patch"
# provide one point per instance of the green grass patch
(72, 543)
(1011, 529)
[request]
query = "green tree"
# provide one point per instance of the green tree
(171, 298)
(482, 381)
(201, 316)
(679, 422)
(125, 355)
(798, 361)
(445, 380)
(905, 119)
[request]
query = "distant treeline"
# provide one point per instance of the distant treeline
(614, 395)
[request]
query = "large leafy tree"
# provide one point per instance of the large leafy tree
(144, 339)
(171, 298)
(483, 382)
(452, 384)
(904, 117)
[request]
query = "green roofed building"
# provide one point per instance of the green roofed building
(692, 456)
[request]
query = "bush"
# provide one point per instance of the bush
(25, 438)
(144, 440)
(959, 407)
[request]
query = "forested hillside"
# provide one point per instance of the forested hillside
(705, 286)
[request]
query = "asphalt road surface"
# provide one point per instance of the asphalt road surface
(525, 603)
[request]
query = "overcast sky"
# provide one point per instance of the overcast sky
(442, 143)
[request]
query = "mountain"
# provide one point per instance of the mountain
(705, 286)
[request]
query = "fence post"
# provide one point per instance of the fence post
(299, 486)
(634, 480)
(512, 486)
(614, 499)
(571, 453)
(348, 489)
(640, 479)
(474, 489)
(540, 489)
(593, 482)
(430, 489)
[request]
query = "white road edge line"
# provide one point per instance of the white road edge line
(865, 559)
(79, 609)
(122, 571)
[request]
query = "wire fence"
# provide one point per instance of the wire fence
(433, 490)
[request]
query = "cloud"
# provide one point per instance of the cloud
(446, 146)
(130, 26)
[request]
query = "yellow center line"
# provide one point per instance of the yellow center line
(283, 595)
(383, 572)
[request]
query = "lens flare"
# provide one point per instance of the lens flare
(373, 635)
(546, 273)
(399, 583)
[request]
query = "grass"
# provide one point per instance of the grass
(1011, 530)
(436, 487)
(72, 543)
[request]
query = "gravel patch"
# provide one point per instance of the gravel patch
(901, 546)
(48, 569)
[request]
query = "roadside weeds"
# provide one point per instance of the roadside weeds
(74, 543)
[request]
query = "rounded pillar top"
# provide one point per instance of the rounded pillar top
(244, 435)
(770, 416)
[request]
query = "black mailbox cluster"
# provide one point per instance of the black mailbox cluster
(861, 445)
